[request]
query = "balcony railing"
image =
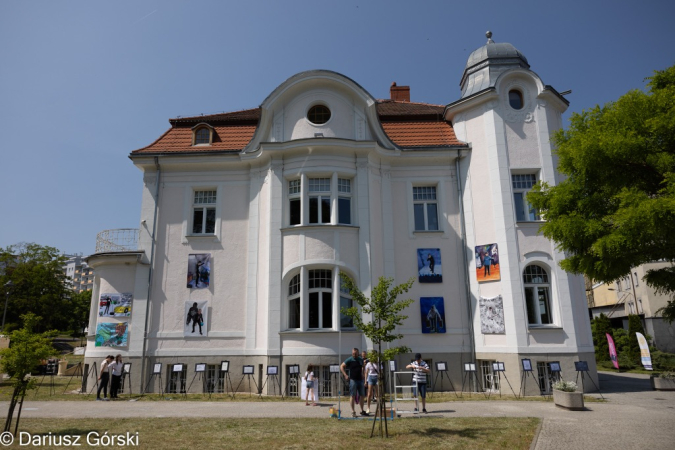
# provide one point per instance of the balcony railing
(117, 240)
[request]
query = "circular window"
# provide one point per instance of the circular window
(318, 114)
(516, 99)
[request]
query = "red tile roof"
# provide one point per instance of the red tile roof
(408, 125)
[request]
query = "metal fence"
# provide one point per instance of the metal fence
(117, 240)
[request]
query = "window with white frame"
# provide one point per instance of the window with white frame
(344, 201)
(522, 184)
(319, 200)
(345, 302)
(294, 202)
(425, 207)
(537, 295)
(204, 212)
(320, 284)
(637, 282)
(294, 302)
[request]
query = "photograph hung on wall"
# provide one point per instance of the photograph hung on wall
(195, 319)
(429, 267)
(432, 311)
(492, 315)
(199, 271)
(114, 305)
(112, 334)
(487, 263)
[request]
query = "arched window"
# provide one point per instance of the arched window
(320, 298)
(537, 295)
(294, 302)
(202, 136)
(515, 99)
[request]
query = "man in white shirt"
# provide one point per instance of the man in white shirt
(420, 369)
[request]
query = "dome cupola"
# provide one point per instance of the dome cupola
(486, 64)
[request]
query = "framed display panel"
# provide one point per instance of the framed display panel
(469, 367)
(581, 366)
(334, 368)
(527, 365)
(157, 369)
(200, 367)
(272, 370)
(498, 367)
(177, 368)
(392, 366)
(127, 367)
(224, 366)
(555, 366)
(247, 370)
(441, 367)
(294, 369)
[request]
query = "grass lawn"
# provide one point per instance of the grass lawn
(178, 433)
(60, 384)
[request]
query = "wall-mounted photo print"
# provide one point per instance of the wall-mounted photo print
(429, 266)
(492, 315)
(487, 263)
(195, 319)
(432, 310)
(114, 305)
(112, 334)
(199, 271)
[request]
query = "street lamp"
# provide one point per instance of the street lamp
(8, 286)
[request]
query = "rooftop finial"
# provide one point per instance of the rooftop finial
(489, 36)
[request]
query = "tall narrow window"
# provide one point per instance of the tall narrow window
(320, 298)
(319, 200)
(204, 212)
(537, 295)
(294, 302)
(345, 302)
(426, 208)
(515, 99)
(294, 208)
(522, 184)
(344, 201)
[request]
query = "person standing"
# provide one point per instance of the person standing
(372, 373)
(309, 384)
(104, 378)
(116, 368)
(487, 261)
(420, 369)
(354, 365)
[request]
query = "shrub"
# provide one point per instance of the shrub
(663, 361)
(565, 386)
(668, 375)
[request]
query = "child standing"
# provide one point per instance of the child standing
(309, 379)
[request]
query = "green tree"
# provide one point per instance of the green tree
(615, 209)
(633, 347)
(26, 351)
(39, 285)
(600, 326)
(386, 313)
(78, 312)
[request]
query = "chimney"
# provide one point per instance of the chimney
(399, 93)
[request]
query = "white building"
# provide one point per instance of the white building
(80, 274)
(322, 178)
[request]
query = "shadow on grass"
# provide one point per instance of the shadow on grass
(470, 433)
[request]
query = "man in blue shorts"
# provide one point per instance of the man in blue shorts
(354, 365)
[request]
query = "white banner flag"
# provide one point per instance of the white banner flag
(645, 356)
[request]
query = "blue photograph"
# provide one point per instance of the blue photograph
(432, 311)
(429, 266)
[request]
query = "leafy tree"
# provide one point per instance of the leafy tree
(26, 351)
(78, 312)
(599, 326)
(39, 285)
(616, 207)
(634, 326)
(386, 313)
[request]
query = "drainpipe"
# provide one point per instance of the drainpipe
(150, 273)
(464, 264)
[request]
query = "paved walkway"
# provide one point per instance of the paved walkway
(634, 416)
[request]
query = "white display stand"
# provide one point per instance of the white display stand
(405, 393)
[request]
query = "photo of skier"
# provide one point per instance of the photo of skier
(429, 266)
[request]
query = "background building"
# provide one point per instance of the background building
(81, 275)
(248, 219)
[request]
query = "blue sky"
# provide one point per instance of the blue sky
(83, 83)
